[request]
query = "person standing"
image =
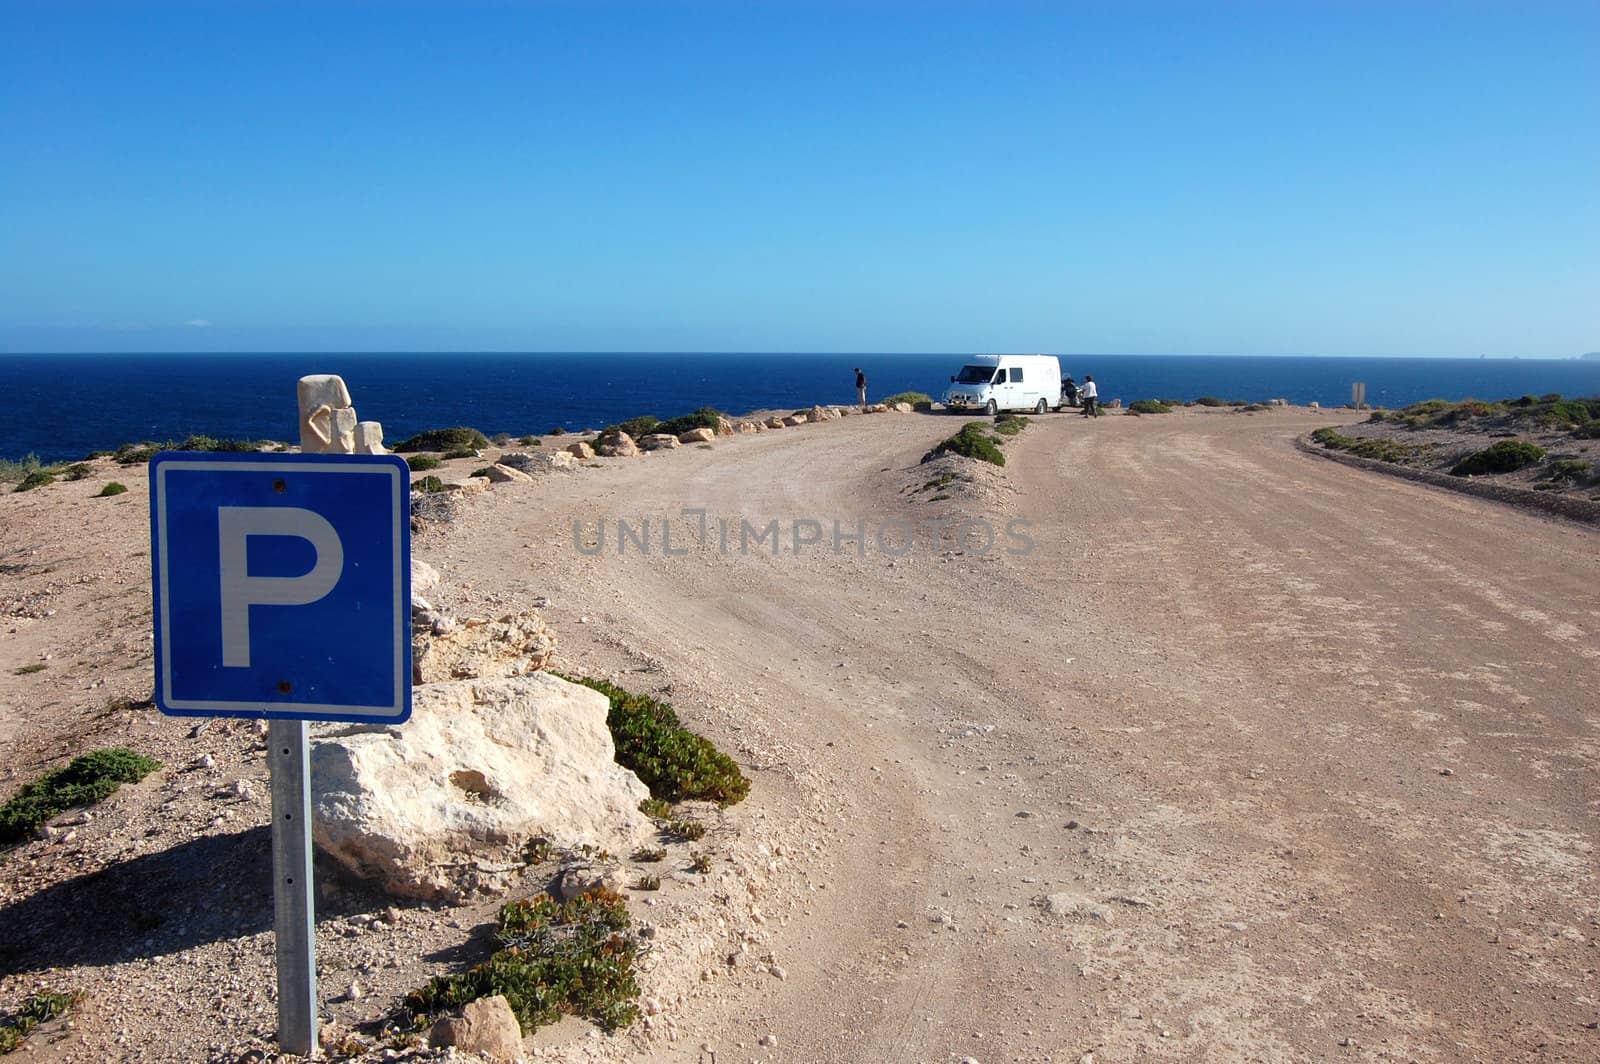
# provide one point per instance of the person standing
(861, 387)
(1090, 395)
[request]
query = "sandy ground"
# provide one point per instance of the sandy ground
(1251, 757)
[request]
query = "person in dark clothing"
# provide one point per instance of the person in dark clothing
(861, 387)
(1069, 392)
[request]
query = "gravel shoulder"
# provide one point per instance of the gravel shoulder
(1252, 757)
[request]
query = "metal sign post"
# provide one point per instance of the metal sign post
(282, 589)
(1358, 394)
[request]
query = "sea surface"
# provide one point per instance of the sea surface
(63, 406)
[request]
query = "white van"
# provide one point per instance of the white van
(992, 383)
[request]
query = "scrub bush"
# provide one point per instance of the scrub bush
(451, 439)
(85, 780)
(1507, 456)
(973, 441)
(421, 463)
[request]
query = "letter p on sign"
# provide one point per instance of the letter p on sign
(282, 585)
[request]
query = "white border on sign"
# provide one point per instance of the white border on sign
(200, 465)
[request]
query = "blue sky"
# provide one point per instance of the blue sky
(1207, 178)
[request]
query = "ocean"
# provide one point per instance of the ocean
(63, 406)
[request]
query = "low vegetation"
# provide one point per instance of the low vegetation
(916, 399)
(575, 957)
(704, 418)
(1009, 424)
(37, 479)
(111, 489)
(1209, 400)
(28, 670)
(460, 452)
(1379, 450)
(973, 441)
(1148, 406)
(421, 463)
(1506, 456)
(429, 485)
(441, 440)
(42, 1007)
(1528, 413)
(674, 762)
(85, 780)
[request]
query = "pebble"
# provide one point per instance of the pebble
(769, 1039)
(206, 762)
(778, 972)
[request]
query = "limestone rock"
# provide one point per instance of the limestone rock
(579, 450)
(478, 649)
(795, 419)
(424, 577)
(581, 879)
(659, 441)
(487, 1026)
(903, 408)
(818, 413)
(441, 806)
(369, 438)
(470, 486)
(1076, 907)
(504, 474)
(775, 422)
(877, 408)
(540, 462)
(616, 445)
(327, 419)
(724, 426)
(699, 435)
(745, 427)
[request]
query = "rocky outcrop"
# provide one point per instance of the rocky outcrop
(514, 645)
(504, 474)
(903, 408)
(441, 806)
(659, 441)
(795, 419)
(820, 413)
(700, 435)
(775, 422)
(540, 462)
(724, 426)
(579, 450)
(616, 445)
(486, 1027)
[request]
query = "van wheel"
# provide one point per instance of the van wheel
(991, 409)
(1042, 407)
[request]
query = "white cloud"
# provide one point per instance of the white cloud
(198, 323)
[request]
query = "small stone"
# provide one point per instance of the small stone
(206, 763)
(353, 992)
(1447, 772)
(769, 1039)
(778, 972)
(1072, 825)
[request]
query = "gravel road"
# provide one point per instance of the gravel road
(1252, 756)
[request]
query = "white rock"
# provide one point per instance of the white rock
(478, 649)
(579, 450)
(486, 1027)
(659, 441)
(327, 420)
(795, 419)
(1076, 906)
(775, 422)
(617, 445)
(504, 474)
(369, 438)
(440, 806)
(541, 462)
(424, 577)
(699, 435)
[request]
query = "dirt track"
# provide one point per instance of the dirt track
(1305, 757)
(1316, 751)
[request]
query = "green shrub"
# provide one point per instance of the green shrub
(575, 957)
(1566, 412)
(430, 484)
(11, 471)
(1507, 456)
(557, 431)
(135, 453)
(1148, 406)
(211, 443)
(28, 670)
(642, 425)
(1009, 424)
(1380, 450)
(973, 441)
(704, 418)
(1209, 400)
(530, 441)
(37, 479)
(42, 1007)
(452, 439)
(674, 762)
(1566, 470)
(421, 463)
(655, 808)
(111, 489)
(914, 398)
(460, 452)
(480, 472)
(86, 780)
(1254, 408)
(75, 471)
(1237, 402)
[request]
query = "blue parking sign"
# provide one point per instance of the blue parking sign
(282, 585)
